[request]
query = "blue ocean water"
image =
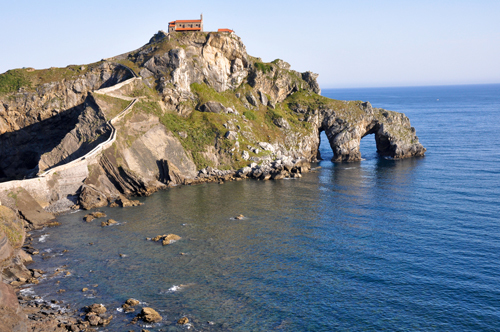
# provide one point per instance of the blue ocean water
(408, 245)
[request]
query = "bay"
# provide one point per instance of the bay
(366, 246)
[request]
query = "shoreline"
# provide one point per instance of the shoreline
(51, 315)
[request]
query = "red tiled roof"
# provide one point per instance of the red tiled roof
(225, 30)
(187, 21)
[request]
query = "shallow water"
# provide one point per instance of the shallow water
(367, 246)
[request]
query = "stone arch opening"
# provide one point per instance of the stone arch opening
(345, 141)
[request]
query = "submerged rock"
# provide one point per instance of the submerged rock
(109, 222)
(94, 215)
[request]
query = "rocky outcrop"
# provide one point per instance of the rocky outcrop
(56, 105)
(394, 135)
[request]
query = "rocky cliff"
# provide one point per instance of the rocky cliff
(204, 109)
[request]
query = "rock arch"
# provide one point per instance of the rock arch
(394, 136)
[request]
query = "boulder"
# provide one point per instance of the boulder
(127, 308)
(166, 238)
(94, 215)
(232, 135)
(170, 238)
(149, 315)
(96, 308)
(251, 99)
(109, 222)
(212, 107)
(90, 198)
(132, 302)
(183, 320)
(282, 123)
(125, 202)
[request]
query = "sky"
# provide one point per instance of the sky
(349, 44)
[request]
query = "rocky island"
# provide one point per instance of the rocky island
(185, 108)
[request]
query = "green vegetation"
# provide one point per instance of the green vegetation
(250, 115)
(349, 110)
(130, 64)
(30, 79)
(12, 228)
(13, 80)
(263, 67)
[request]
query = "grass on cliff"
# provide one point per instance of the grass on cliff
(204, 129)
(11, 226)
(349, 110)
(30, 79)
(13, 80)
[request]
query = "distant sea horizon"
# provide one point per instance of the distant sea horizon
(406, 86)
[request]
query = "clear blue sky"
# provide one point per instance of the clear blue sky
(349, 43)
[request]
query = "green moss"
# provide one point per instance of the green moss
(250, 115)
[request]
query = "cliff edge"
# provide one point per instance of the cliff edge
(203, 108)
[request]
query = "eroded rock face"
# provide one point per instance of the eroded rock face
(394, 135)
(59, 108)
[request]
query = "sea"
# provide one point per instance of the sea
(375, 245)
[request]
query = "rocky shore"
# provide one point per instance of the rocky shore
(22, 310)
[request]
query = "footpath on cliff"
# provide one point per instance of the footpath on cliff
(185, 108)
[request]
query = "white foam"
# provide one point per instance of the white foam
(43, 238)
(48, 250)
(119, 309)
(174, 288)
(27, 291)
(75, 211)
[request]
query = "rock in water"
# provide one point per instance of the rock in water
(107, 223)
(183, 320)
(132, 302)
(170, 238)
(96, 308)
(149, 315)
